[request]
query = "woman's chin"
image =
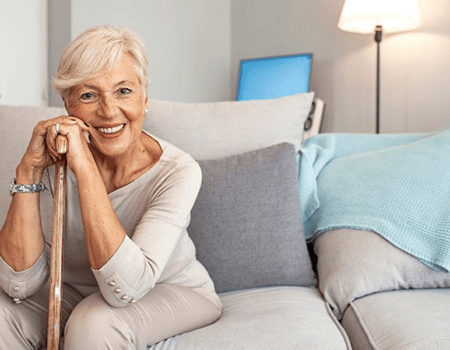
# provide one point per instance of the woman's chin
(109, 151)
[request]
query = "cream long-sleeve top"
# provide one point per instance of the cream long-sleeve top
(154, 210)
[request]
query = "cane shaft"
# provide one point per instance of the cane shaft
(56, 257)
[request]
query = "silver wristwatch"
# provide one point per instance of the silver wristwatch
(30, 188)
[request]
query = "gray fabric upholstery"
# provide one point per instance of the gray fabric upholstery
(246, 222)
(400, 320)
(352, 264)
(267, 318)
(219, 129)
(17, 126)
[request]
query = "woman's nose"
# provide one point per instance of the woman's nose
(108, 107)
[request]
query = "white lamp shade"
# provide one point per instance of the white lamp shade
(362, 16)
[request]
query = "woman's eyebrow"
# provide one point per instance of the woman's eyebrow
(94, 87)
(124, 82)
(89, 86)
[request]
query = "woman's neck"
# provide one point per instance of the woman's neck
(123, 169)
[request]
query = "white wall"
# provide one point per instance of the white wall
(415, 74)
(188, 42)
(23, 59)
(195, 47)
(59, 34)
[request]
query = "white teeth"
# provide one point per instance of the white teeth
(111, 130)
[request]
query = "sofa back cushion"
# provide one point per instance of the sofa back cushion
(17, 124)
(220, 129)
(354, 263)
(246, 223)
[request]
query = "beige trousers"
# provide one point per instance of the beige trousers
(91, 323)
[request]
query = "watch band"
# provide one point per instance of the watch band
(28, 188)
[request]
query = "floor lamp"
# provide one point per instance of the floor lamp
(379, 16)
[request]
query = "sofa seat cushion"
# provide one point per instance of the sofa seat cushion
(267, 318)
(400, 320)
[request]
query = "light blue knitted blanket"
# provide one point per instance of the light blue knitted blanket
(396, 185)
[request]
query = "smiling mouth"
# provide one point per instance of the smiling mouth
(110, 131)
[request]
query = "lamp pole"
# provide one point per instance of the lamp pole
(378, 37)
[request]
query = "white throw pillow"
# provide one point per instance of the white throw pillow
(220, 129)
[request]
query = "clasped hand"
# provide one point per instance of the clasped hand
(48, 145)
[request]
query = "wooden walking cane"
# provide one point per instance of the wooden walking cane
(56, 257)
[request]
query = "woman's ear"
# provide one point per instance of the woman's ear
(146, 103)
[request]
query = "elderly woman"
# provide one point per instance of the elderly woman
(131, 277)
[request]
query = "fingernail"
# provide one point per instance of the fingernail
(61, 143)
(62, 149)
(87, 136)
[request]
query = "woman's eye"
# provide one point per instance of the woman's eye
(124, 91)
(87, 96)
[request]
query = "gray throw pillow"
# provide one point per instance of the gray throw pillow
(246, 223)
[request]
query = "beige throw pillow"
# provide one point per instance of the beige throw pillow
(220, 129)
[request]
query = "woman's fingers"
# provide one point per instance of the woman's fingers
(69, 134)
(80, 122)
(57, 142)
(87, 136)
(45, 146)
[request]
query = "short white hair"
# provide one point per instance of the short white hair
(95, 51)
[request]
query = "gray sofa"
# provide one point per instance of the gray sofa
(346, 289)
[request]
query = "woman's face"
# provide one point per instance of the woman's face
(113, 106)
